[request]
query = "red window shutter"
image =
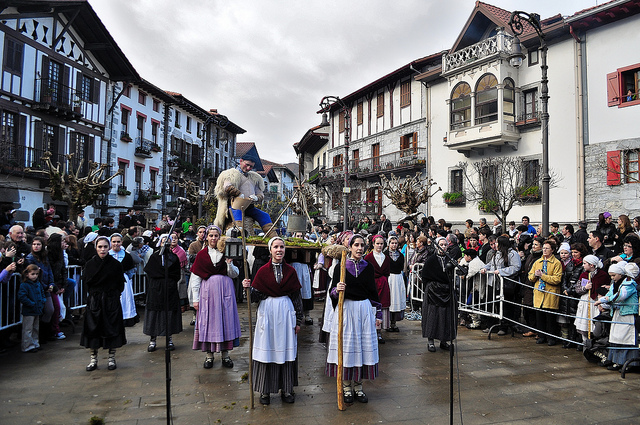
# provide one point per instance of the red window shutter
(613, 89)
(613, 168)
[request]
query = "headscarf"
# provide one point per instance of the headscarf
(564, 247)
(272, 240)
(618, 268)
(90, 237)
(115, 234)
(159, 243)
(105, 238)
(632, 270)
(593, 260)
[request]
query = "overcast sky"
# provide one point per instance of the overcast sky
(266, 64)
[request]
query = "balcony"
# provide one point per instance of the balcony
(58, 100)
(500, 45)
(141, 198)
(492, 135)
(14, 159)
(143, 147)
(400, 163)
(531, 119)
(316, 174)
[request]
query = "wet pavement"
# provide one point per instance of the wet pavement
(502, 380)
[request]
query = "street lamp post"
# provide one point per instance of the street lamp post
(325, 106)
(516, 22)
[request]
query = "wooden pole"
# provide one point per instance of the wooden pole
(589, 311)
(248, 290)
(343, 273)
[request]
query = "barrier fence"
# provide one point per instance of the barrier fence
(498, 300)
(10, 305)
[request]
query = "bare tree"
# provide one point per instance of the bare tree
(499, 183)
(70, 186)
(409, 193)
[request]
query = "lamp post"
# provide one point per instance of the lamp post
(326, 104)
(516, 22)
(221, 121)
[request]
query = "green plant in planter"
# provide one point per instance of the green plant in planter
(528, 192)
(156, 196)
(453, 197)
(488, 205)
(123, 192)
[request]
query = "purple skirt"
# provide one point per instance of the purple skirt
(217, 320)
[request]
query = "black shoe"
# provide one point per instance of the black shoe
(171, 347)
(308, 321)
(112, 364)
(92, 367)
(361, 397)
(193, 321)
(381, 339)
(614, 366)
(208, 363)
(431, 348)
(445, 345)
(265, 399)
(152, 347)
(348, 396)
(552, 342)
(567, 345)
(227, 362)
(288, 397)
(541, 340)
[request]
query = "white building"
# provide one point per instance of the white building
(58, 62)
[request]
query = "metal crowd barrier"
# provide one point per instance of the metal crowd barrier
(10, 305)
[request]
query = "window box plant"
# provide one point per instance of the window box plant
(156, 196)
(453, 198)
(528, 193)
(156, 147)
(126, 138)
(488, 205)
(122, 191)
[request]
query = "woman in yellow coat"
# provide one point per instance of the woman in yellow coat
(546, 275)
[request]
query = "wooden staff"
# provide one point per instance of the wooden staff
(589, 311)
(248, 290)
(343, 275)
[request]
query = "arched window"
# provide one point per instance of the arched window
(487, 99)
(461, 106)
(509, 101)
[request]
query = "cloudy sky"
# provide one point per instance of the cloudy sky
(266, 64)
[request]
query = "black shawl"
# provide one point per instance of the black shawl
(103, 275)
(358, 288)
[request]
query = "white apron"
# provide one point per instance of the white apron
(398, 293)
(126, 299)
(359, 339)
(275, 339)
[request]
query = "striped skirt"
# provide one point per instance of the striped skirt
(272, 377)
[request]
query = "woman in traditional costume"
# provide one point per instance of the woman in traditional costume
(361, 313)
(217, 323)
(276, 289)
(103, 279)
(438, 313)
(382, 268)
(157, 312)
(127, 300)
(397, 288)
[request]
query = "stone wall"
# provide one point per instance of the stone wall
(599, 197)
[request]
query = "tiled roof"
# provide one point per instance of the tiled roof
(502, 17)
(580, 12)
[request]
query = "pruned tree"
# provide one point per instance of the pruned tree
(71, 186)
(407, 194)
(497, 184)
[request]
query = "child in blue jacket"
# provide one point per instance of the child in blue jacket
(31, 295)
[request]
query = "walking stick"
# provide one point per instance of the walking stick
(343, 273)
(590, 321)
(248, 290)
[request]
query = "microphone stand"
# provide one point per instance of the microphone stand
(167, 352)
(454, 318)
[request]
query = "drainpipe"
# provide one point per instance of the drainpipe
(165, 169)
(582, 129)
